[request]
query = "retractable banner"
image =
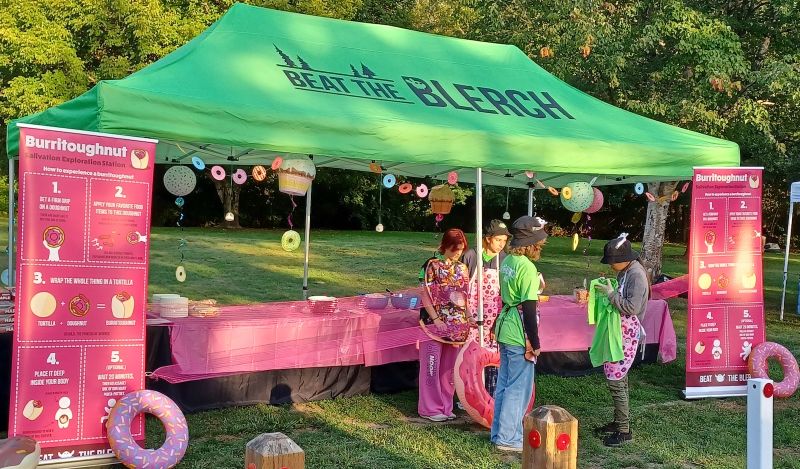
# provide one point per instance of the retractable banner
(79, 337)
(726, 296)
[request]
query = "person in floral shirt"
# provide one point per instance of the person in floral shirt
(445, 290)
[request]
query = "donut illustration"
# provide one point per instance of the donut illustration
(79, 305)
(54, 236)
(122, 305)
(132, 237)
(722, 281)
(140, 158)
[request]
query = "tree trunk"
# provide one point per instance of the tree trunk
(657, 211)
(229, 196)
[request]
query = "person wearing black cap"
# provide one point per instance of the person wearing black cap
(630, 299)
(495, 237)
(517, 332)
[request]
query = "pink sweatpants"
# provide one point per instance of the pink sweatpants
(436, 385)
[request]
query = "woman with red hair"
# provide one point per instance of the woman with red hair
(444, 299)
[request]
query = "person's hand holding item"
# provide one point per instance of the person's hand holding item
(52, 250)
(530, 354)
(440, 325)
(606, 288)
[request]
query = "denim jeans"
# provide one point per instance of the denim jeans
(512, 396)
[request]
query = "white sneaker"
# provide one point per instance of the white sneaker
(452, 416)
(512, 449)
(435, 418)
(459, 405)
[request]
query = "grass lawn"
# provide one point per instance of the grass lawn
(384, 431)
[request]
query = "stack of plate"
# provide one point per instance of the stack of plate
(170, 305)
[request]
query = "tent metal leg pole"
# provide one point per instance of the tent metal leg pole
(479, 248)
(307, 243)
(786, 257)
(530, 202)
(11, 276)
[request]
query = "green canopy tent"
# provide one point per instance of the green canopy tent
(261, 82)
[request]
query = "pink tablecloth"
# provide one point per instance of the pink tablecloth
(275, 336)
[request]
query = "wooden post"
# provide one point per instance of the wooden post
(550, 439)
(273, 451)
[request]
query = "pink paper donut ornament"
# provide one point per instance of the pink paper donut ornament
(471, 361)
(239, 176)
(452, 178)
(132, 455)
(422, 191)
(758, 366)
(276, 163)
(218, 173)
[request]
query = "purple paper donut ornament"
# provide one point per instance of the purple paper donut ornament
(127, 450)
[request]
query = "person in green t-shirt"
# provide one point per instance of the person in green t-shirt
(517, 332)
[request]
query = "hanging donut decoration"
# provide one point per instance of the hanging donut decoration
(405, 188)
(239, 176)
(452, 178)
(375, 168)
(552, 190)
(389, 181)
(638, 188)
(422, 191)
(276, 163)
(218, 173)
(259, 173)
(198, 163)
(180, 274)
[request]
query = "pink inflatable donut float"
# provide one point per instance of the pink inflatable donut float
(468, 374)
(127, 450)
(759, 368)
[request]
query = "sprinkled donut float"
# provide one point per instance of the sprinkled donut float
(127, 450)
(759, 368)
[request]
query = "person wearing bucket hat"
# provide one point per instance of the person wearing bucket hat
(517, 332)
(495, 237)
(630, 299)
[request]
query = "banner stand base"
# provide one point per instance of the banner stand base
(106, 461)
(718, 391)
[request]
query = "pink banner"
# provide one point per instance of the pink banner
(726, 298)
(84, 222)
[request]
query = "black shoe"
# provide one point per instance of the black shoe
(617, 439)
(610, 427)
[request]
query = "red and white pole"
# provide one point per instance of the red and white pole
(759, 423)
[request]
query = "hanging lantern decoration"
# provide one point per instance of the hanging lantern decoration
(229, 216)
(441, 198)
(180, 180)
(597, 203)
(506, 216)
(379, 228)
(580, 196)
(295, 176)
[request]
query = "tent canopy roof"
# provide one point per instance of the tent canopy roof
(262, 82)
